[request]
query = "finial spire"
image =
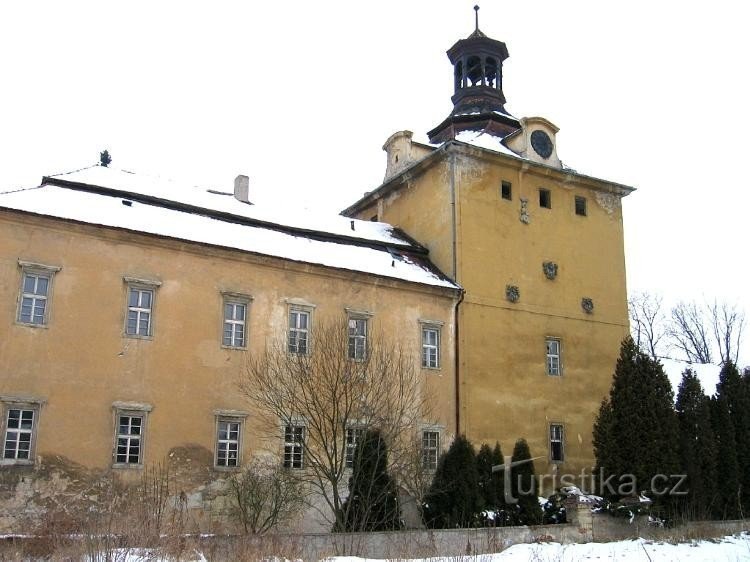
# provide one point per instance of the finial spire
(476, 18)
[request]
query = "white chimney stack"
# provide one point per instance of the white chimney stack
(242, 188)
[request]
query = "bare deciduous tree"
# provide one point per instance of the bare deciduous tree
(728, 322)
(689, 332)
(328, 393)
(264, 495)
(647, 322)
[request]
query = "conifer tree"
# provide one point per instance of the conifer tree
(727, 505)
(733, 389)
(697, 447)
(524, 486)
(372, 504)
(636, 432)
(104, 158)
(491, 484)
(453, 498)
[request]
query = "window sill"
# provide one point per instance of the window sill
(431, 368)
(32, 324)
(227, 468)
(137, 337)
(126, 465)
(16, 462)
(234, 347)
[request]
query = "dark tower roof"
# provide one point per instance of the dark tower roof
(478, 100)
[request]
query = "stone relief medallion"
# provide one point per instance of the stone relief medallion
(512, 293)
(550, 269)
(587, 305)
(524, 216)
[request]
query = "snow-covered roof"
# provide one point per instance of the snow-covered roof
(378, 250)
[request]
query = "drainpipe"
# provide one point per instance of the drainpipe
(457, 366)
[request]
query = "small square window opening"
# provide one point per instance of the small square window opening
(506, 190)
(580, 203)
(545, 198)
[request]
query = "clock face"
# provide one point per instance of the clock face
(541, 143)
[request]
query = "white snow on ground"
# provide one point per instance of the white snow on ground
(289, 215)
(707, 374)
(110, 211)
(729, 549)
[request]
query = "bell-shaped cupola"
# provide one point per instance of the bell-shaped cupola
(478, 99)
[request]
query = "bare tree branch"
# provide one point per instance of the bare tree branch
(728, 322)
(689, 332)
(328, 393)
(647, 322)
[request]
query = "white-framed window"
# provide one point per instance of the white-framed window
(554, 365)
(357, 338)
(20, 421)
(234, 327)
(430, 346)
(130, 432)
(430, 448)
(35, 294)
(294, 445)
(228, 443)
(353, 436)
(139, 318)
(299, 330)
(556, 442)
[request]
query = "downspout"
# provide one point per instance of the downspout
(456, 357)
(461, 297)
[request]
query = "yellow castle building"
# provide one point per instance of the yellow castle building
(129, 305)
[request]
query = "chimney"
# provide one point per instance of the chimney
(242, 188)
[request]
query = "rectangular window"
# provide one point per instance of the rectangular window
(299, 331)
(580, 206)
(19, 434)
(36, 288)
(554, 367)
(228, 442)
(556, 450)
(545, 198)
(353, 436)
(357, 338)
(140, 302)
(430, 449)
(430, 347)
(235, 321)
(129, 439)
(506, 190)
(294, 446)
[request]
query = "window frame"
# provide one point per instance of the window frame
(357, 315)
(430, 464)
(229, 416)
(138, 284)
(545, 196)
(350, 445)
(549, 364)
(552, 440)
(38, 270)
(33, 405)
(294, 306)
(436, 326)
(234, 298)
(579, 199)
(506, 194)
(132, 410)
(291, 445)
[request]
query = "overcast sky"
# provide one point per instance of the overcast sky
(301, 95)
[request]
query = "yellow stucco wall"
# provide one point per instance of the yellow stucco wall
(505, 392)
(81, 362)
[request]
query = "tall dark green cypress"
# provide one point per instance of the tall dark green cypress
(524, 486)
(453, 498)
(727, 505)
(733, 389)
(491, 484)
(372, 504)
(637, 432)
(697, 448)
